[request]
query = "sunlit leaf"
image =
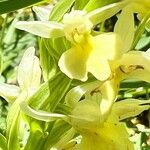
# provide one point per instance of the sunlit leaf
(80, 4)
(94, 4)
(48, 63)
(57, 133)
(60, 9)
(13, 126)
(3, 142)
(50, 93)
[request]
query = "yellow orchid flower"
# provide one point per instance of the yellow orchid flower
(100, 131)
(135, 65)
(132, 64)
(93, 54)
(88, 53)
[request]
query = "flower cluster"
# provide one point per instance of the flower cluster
(110, 58)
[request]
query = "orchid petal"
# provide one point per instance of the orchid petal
(98, 62)
(108, 45)
(125, 30)
(73, 63)
(99, 67)
(107, 138)
(86, 116)
(109, 90)
(45, 29)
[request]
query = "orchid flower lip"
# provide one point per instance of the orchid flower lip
(76, 24)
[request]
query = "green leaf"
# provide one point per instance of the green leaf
(3, 142)
(49, 45)
(80, 4)
(12, 5)
(93, 4)
(143, 42)
(57, 133)
(37, 134)
(57, 46)
(35, 141)
(48, 64)
(39, 97)
(61, 45)
(140, 30)
(60, 9)
(67, 137)
(13, 126)
(50, 93)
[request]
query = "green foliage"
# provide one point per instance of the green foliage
(3, 142)
(62, 111)
(7, 6)
(93, 4)
(60, 9)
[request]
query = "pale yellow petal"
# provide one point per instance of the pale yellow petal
(99, 67)
(125, 27)
(86, 116)
(108, 45)
(73, 63)
(110, 137)
(108, 90)
(45, 29)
